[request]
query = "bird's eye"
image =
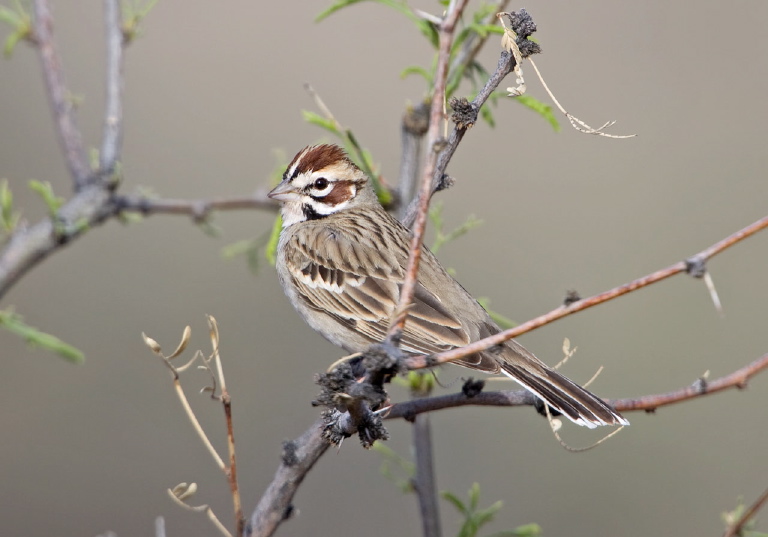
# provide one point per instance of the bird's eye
(321, 183)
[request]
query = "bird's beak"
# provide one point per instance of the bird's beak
(284, 192)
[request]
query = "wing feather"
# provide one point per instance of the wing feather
(353, 277)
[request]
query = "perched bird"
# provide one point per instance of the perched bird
(342, 258)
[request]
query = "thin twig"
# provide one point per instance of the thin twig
(197, 209)
(737, 379)
(112, 132)
(195, 423)
(576, 123)
(454, 11)
(204, 509)
(419, 362)
(70, 139)
(226, 401)
(736, 527)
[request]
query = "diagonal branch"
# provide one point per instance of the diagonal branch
(298, 457)
(701, 387)
(70, 139)
(738, 526)
(694, 265)
(447, 27)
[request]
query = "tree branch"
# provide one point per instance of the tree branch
(112, 133)
(738, 379)
(69, 135)
(694, 265)
(504, 66)
(197, 209)
(454, 11)
(424, 480)
(298, 457)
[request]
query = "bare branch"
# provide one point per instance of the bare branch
(454, 11)
(414, 127)
(70, 139)
(113, 114)
(689, 265)
(424, 480)
(738, 379)
(30, 245)
(198, 209)
(298, 458)
(504, 67)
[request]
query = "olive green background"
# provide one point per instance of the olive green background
(213, 90)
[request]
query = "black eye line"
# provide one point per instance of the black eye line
(313, 184)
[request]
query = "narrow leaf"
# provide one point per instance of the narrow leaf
(544, 110)
(271, 249)
(14, 323)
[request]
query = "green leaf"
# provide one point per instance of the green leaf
(474, 496)
(323, 122)
(393, 461)
(8, 217)
(20, 21)
(455, 501)
(271, 249)
(487, 116)
(415, 70)
(526, 530)
(15, 324)
(133, 14)
(398, 6)
(45, 190)
(425, 27)
(503, 322)
(442, 238)
(544, 110)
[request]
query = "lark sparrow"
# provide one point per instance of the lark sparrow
(341, 260)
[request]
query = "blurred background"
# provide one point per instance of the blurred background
(213, 103)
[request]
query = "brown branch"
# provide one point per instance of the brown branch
(446, 30)
(298, 457)
(70, 139)
(736, 527)
(231, 471)
(694, 265)
(738, 379)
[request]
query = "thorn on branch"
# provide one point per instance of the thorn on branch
(571, 296)
(472, 387)
(446, 182)
(696, 266)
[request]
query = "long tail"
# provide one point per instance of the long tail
(561, 393)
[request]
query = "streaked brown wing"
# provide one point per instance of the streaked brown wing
(357, 282)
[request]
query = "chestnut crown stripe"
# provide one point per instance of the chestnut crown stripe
(316, 158)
